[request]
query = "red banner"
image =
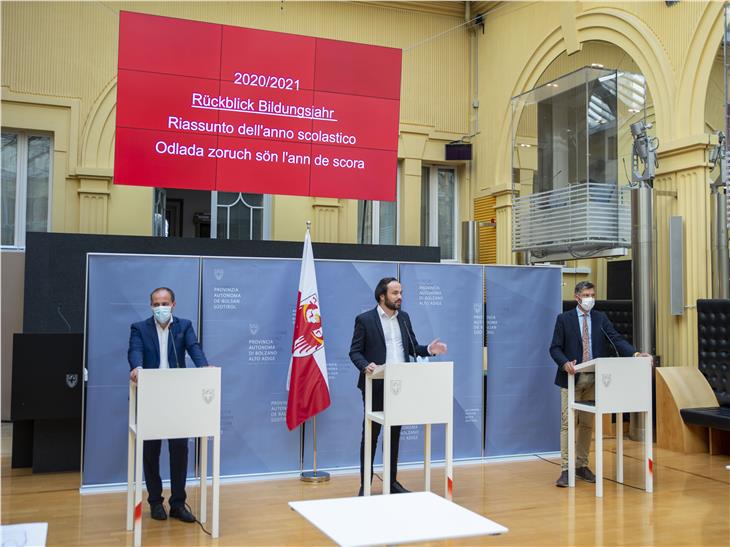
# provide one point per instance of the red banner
(213, 107)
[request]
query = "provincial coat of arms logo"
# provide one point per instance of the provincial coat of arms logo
(308, 324)
(72, 380)
(606, 378)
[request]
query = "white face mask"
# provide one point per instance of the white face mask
(587, 303)
(162, 314)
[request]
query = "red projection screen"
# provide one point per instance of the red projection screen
(213, 107)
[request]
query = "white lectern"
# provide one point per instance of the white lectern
(173, 404)
(622, 384)
(413, 394)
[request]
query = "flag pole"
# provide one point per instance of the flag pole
(314, 475)
(301, 448)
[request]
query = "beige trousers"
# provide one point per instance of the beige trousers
(584, 391)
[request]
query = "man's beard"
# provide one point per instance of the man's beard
(392, 305)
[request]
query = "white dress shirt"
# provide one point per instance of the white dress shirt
(393, 340)
(162, 336)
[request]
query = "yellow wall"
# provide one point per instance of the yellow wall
(66, 51)
(715, 91)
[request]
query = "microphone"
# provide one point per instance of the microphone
(174, 349)
(411, 345)
(60, 314)
(609, 339)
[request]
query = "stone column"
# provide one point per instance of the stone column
(94, 195)
(681, 189)
(410, 203)
(326, 220)
(504, 225)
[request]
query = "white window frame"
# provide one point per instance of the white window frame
(21, 184)
(375, 215)
(265, 218)
(433, 208)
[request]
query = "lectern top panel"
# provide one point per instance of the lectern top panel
(178, 403)
(622, 384)
(589, 366)
(419, 393)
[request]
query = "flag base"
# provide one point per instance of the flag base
(314, 476)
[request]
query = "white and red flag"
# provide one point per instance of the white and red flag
(308, 386)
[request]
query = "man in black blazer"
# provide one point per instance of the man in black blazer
(146, 342)
(582, 334)
(385, 335)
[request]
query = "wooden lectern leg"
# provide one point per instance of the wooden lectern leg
(367, 459)
(427, 457)
(216, 483)
(571, 432)
(449, 434)
(138, 493)
(203, 446)
(386, 459)
(599, 455)
(648, 461)
(130, 479)
(619, 447)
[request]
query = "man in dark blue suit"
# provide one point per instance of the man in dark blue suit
(146, 342)
(580, 335)
(385, 335)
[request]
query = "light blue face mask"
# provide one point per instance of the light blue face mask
(162, 314)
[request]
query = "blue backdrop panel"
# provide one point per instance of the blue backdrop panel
(248, 322)
(117, 296)
(523, 404)
(345, 290)
(445, 301)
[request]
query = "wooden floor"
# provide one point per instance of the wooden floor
(690, 505)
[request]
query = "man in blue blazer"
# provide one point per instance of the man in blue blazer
(582, 334)
(385, 335)
(146, 340)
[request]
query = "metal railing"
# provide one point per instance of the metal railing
(582, 217)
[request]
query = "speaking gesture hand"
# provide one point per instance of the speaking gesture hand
(437, 347)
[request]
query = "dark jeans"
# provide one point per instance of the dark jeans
(376, 427)
(178, 471)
